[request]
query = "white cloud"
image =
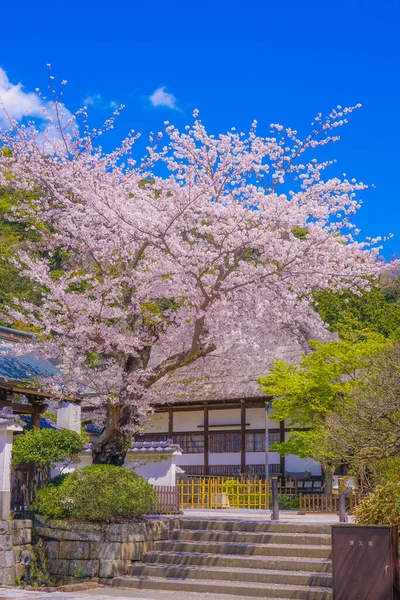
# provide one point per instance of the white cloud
(162, 98)
(93, 99)
(15, 102)
(98, 101)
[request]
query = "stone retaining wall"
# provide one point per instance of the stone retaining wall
(15, 550)
(78, 550)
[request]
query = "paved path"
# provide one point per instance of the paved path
(285, 516)
(112, 594)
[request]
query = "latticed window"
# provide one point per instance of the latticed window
(191, 470)
(224, 470)
(224, 442)
(191, 443)
(255, 442)
(152, 437)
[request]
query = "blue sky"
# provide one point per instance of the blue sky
(276, 62)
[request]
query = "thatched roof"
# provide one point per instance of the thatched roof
(230, 373)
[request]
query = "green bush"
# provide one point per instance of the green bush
(47, 447)
(380, 507)
(98, 493)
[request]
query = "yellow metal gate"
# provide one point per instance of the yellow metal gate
(222, 492)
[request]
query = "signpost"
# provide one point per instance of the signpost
(365, 562)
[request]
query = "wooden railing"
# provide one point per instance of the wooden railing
(168, 499)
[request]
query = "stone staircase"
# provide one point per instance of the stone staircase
(243, 558)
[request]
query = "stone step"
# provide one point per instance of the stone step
(270, 549)
(251, 526)
(241, 589)
(304, 539)
(317, 565)
(266, 576)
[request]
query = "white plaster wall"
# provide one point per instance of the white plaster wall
(256, 419)
(258, 458)
(188, 421)
(224, 459)
(157, 424)
(85, 460)
(223, 417)
(159, 473)
(190, 459)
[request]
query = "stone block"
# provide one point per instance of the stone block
(21, 535)
(115, 551)
(6, 541)
(22, 524)
(113, 568)
(58, 523)
(58, 567)
(48, 532)
(8, 576)
(9, 560)
(85, 535)
(83, 568)
(51, 549)
(75, 550)
(132, 532)
(157, 529)
(5, 527)
(20, 571)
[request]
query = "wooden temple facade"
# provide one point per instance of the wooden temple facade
(225, 438)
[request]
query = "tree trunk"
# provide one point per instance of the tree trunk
(114, 442)
(328, 480)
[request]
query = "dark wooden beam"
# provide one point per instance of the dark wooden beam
(224, 405)
(35, 395)
(206, 442)
(170, 423)
(24, 409)
(242, 437)
(282, 439)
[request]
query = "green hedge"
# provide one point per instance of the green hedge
(98, 493)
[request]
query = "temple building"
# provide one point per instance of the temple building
(216, 412)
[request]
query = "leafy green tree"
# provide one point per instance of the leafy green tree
(14, 236)
(48, 448)
(377, 309)
(365, 429)
(308, 392)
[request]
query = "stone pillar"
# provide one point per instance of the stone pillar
(9, 423)
(69, 416)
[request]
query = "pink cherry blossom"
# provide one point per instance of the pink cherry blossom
(167, 257)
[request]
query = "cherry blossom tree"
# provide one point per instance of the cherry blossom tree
(163, 259)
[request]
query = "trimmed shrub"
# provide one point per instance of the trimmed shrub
(380, 507)
(48, 448)
(98, 493)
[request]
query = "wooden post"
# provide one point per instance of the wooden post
(342, 501)
(206, 441)
(170, 423)
(35, 418)
(275, 500)
(242, 437)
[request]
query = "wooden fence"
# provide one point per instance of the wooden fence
(219, 492)
(168, 499)
(23, 489)
(327, 503)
